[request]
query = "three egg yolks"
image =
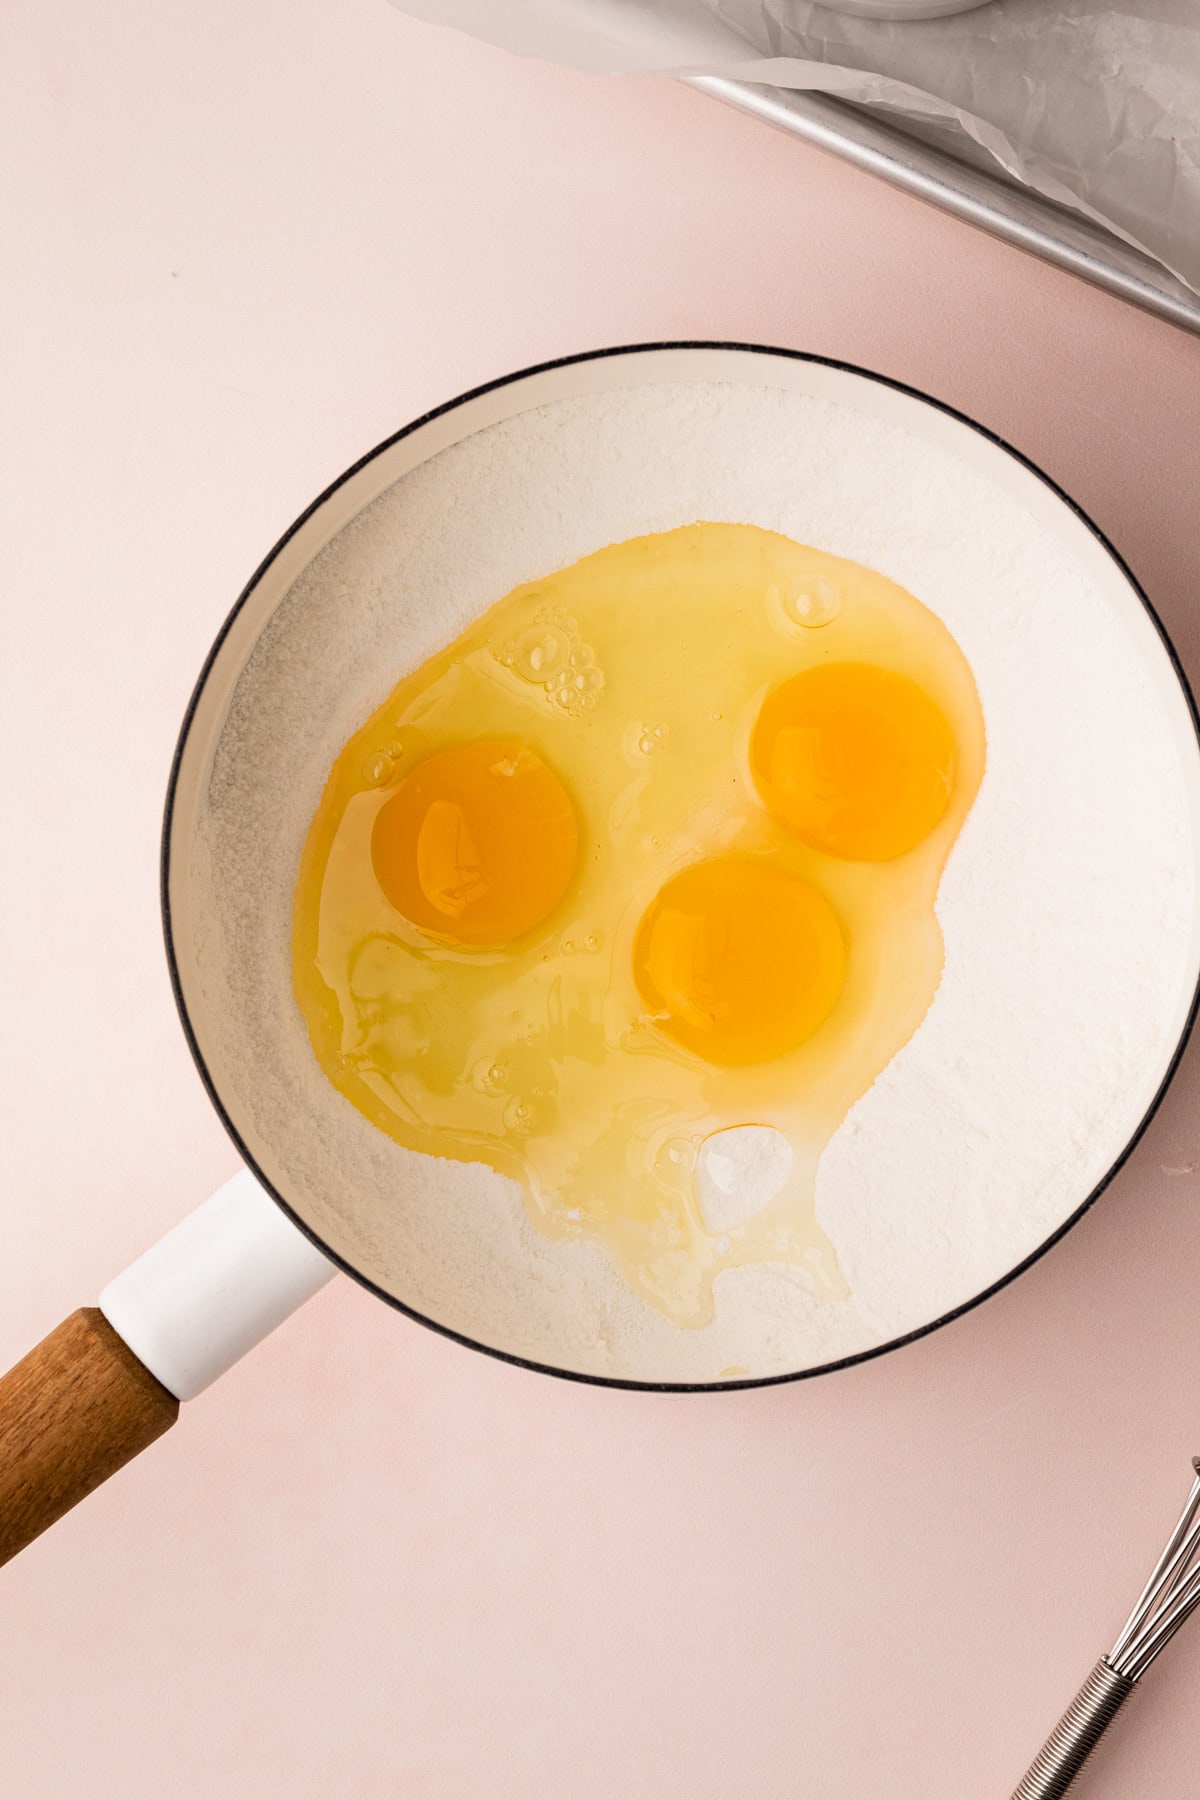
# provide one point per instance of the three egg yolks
(738, 960)
(648, 854)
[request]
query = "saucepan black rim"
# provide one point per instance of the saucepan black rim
(508, 1356)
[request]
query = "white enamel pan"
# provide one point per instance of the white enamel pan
(110, 1379)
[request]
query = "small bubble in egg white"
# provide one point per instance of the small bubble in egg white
(816, 602)
(541, 653)
(675, 1161)
(527, 1113)
(654, 737)
(379, 769)
(489, 1077)
(518, 1115)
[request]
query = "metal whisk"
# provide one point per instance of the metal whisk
(1172, 1592)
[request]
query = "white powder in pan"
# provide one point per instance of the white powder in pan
(1066, 907)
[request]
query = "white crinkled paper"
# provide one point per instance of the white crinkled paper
(1095, 105)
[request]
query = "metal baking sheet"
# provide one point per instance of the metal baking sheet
(979, 195)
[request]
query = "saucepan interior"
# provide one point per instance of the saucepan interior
(504, 484)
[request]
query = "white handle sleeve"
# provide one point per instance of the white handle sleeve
(215, 1286)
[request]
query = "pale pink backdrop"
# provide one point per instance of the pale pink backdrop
(241, 243)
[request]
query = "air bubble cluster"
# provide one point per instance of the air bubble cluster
(654, 738)
(552, 655)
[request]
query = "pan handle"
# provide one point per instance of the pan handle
(109, 1380)
(71, 1413)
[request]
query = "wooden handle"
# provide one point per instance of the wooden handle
(72, 1412)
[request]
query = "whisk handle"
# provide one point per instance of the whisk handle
(1076, 1735)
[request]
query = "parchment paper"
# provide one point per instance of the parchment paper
(1095, 105)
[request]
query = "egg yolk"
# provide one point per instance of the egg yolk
(856, 760)
(478, 844)
(739, 960)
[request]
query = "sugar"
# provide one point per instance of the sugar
(1066, 906)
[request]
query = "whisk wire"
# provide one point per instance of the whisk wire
(1172, 1592)
(1164, 1628)
(1177, 1550)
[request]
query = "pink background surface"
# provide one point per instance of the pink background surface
(243, 243)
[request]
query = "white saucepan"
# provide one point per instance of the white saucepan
(110, 1379)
